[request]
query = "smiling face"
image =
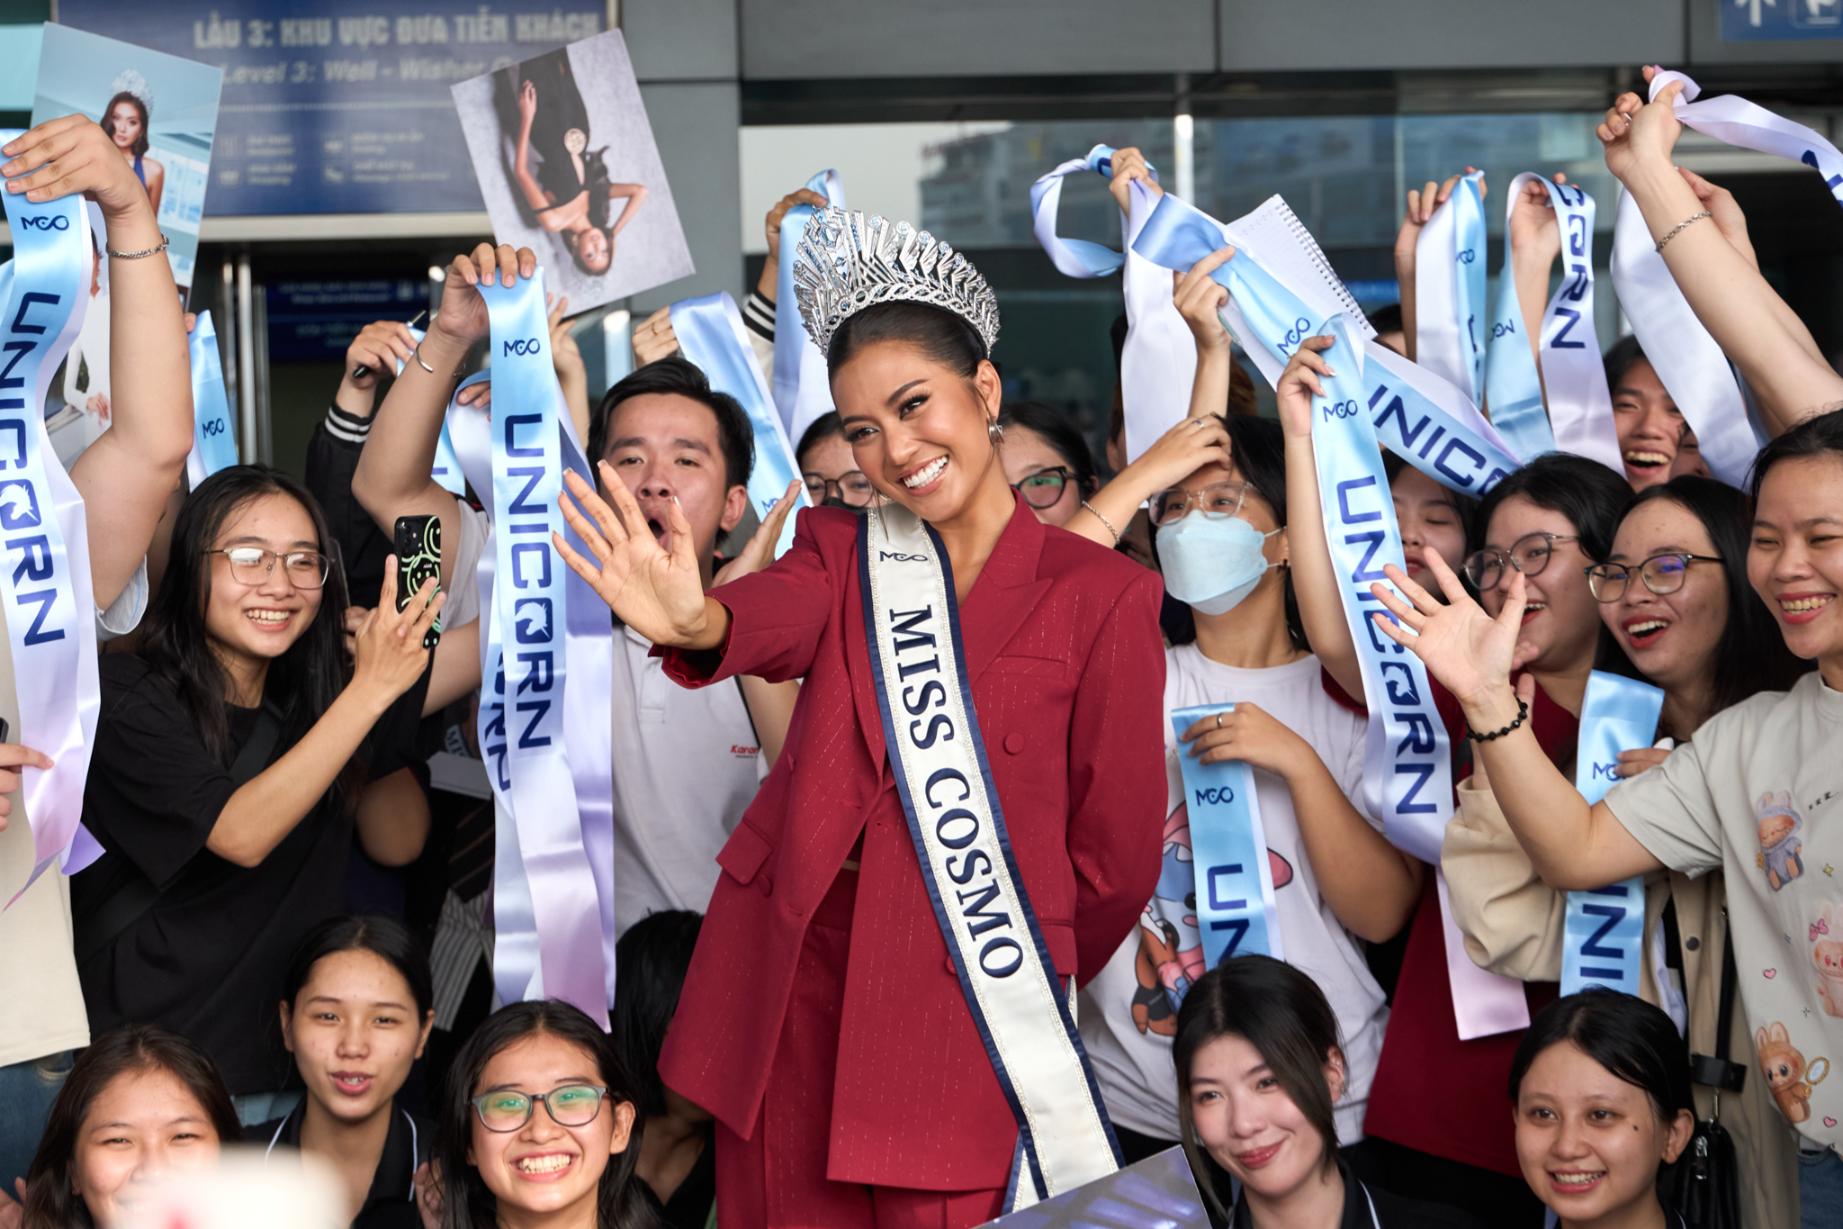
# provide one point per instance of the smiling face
(1562, 620)
(1795, 559)
(1429, 521)
(261, 620)
(920, 430)
(1025, 455)
(354, 1032)
(1649, 424)
(124, 124)
(544, 1168)
(141, 1127)
(1670, 637)
(665, 446)
(1589, 1143)
(1248, 1124)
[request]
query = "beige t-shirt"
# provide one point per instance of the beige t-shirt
(42, 1011)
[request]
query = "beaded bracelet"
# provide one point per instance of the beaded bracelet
(1522, 716)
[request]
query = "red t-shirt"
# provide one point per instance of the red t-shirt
(1470, 1121)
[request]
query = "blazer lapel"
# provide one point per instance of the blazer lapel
(1006, 593)
(857, 663)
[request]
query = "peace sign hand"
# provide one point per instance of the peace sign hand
(658, 593)
(1468, 651)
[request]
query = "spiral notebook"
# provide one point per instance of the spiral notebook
(1274, 236)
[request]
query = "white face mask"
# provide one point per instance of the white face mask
(1211, 563)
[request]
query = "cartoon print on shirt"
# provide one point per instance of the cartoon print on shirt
(1786, 1073)
(1826, 938)
(1170, 957)
(1781, 849)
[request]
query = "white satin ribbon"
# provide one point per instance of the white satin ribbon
(1449, 289)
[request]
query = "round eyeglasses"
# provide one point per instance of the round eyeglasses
(1662, 574)
(507, 1109)
(1529, 554)
(252, 565)
(854, 489)
(1044, 488)
(1218, 501)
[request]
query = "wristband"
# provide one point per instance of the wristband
(1522, 716)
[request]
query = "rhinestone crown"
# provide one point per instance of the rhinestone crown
(847, 262)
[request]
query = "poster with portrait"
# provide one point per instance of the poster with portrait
(161, 111)
(568, 167)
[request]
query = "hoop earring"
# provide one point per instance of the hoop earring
(995, 432)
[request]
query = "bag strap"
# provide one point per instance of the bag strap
(128, 904)
(1717, 1072)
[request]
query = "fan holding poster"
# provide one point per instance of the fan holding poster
(568, 167)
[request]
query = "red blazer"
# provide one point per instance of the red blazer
(1067, 667)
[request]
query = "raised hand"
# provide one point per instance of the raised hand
(1533, 230)
(654, 339)
(759, 552)
(462, 316)
(377, 349)
(1637, 133)
(428, 1183)
(1467, 650)
(387, 652)
(1130, 166)
(527, 103)
(1200, 299)
(771, 225)
(1300, 382)
(73, 154)
(1422, 202)
(659, 594)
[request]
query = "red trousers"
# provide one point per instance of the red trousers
(776, 1179)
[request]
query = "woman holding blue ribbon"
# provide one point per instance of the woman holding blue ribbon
(958, 832)
(1754, 795)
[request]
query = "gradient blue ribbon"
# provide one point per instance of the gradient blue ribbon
(710, 334)
(1082, 258)
(49, 606)
(1603, 940)
(1513, 385)
(214, 434)
(1450, 289)
(543, 878)
(1407, 778)
(1228, 851)
(802, 391)
(1410, 411)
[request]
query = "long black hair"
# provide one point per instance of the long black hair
(1590, 495)
(652, 959)
(1060, 434)
(127, 1049)
(1635, 1041)
(384, 937)
(1750, 654)
(821, 429)
(1282, 1013)
(304, 681)
(1259, 449)
(466, 1201)
(1818, 436)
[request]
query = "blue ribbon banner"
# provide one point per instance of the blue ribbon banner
(548, 905)
(1228, 851)
(802, 391)
(1407, 777)
(1416, 415)
(214, 436)
(1081, 258)
(49, 607)
(1604, 930)
(1450, 289)
(710, 333)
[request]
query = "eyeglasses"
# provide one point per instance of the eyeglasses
(507, 1110)
(854, 489)
(1662, 574)
(1529, 554)
(1043, 488)
(1218, 501)
(252, 565)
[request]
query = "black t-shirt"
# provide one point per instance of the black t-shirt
(391, 1202)
(691, 1203)
(206, 957)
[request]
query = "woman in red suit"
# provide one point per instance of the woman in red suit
(851, 1016)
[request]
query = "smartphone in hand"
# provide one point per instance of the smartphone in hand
(419, 558)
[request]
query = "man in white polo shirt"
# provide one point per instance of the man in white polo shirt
(686, 763)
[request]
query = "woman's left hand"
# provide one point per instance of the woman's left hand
(1250, 734)
(1200, 298)
(73, 154)
(527, 102)
(759, 552)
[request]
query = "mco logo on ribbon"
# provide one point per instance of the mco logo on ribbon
(45, 222)
(521, 346)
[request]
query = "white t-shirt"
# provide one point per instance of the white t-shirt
(1759, 796)
(686, 764)
(43, 1012)
(1129, 1011)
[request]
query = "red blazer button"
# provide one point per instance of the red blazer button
(1014, 743)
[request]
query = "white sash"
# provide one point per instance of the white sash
(938, 756)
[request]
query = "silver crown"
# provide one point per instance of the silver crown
(847, 262)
